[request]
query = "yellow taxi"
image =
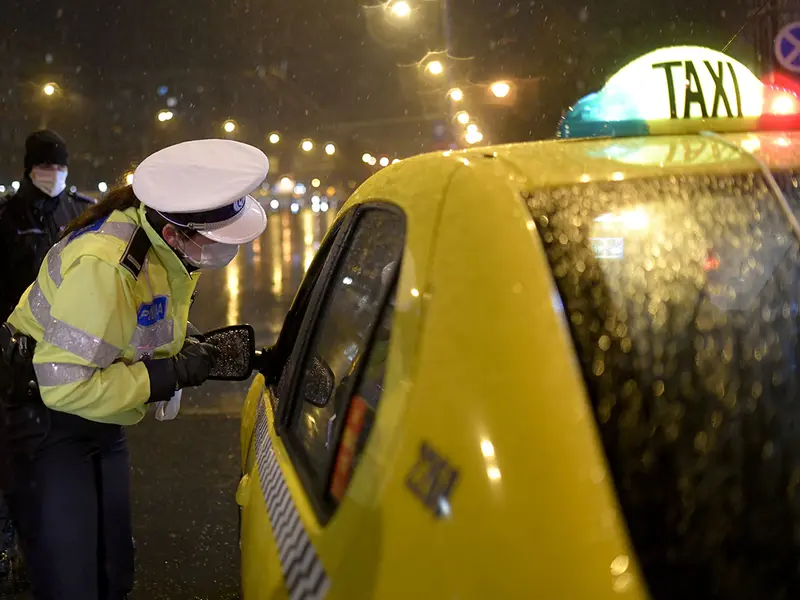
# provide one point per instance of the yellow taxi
(565, 369)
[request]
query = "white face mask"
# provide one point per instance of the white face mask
(51, 182)
(208, 256)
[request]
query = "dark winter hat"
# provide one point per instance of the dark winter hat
(45, 148)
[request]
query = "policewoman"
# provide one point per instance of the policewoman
(101, 334)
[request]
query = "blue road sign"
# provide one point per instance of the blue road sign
(787, 47)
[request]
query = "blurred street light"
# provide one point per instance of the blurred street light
(229, 126)
(384, 161)
(372, 161)
(500, 89)
(103, 187)
(330, 149)
(474, 137)
(395, 161)
(15, 185)
(400, 9)
(286, 185)
(274, 137)
(472, 128)
(165, 115)
(274, 205)
(456, 95)
(366, 157)
(435, 67)
(315, 183)
(462, 117)
(49, 89)
(299, 189)
(128, 178)
(307, 145)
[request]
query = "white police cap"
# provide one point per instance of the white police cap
(205, 185)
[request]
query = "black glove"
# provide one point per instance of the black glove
(189, 368)
(190, 341)
(194, 363)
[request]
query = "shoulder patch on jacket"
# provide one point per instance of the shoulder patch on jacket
(89, 228)
(134, 255)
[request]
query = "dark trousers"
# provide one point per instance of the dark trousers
(70, 500)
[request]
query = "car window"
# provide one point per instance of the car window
(280, 381)
(362, 409)
(682, 298)
(359, 289)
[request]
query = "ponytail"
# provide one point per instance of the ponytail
(118, 199)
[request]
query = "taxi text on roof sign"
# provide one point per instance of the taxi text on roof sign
(679, 89)
(688, 82)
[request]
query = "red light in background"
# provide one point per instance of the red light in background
(780, 101)
(781, 110)
(784, 103)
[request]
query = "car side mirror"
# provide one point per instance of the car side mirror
(318, 383)
(237, 345)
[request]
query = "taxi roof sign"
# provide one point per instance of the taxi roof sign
(679, 89)
(685, 82)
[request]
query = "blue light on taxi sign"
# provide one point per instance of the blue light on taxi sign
(590, 118)
(675, 90)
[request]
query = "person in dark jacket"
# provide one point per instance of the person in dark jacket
(32, 219)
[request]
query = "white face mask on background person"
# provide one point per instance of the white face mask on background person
(49, 180)
(210, 255)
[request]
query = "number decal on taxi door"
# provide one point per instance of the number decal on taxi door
(432, 480)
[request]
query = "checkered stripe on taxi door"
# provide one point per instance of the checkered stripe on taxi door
(303, 572)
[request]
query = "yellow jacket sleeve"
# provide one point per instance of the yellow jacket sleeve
(93, 318)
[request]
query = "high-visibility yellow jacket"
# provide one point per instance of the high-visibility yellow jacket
(94, 320)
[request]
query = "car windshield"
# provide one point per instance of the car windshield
(681, 296)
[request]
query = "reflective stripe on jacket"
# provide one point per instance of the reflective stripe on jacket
(94, 321)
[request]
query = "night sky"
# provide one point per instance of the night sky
(306, 67)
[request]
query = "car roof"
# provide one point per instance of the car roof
(419, 184)
(564, 162)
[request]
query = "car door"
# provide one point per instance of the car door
(323, 398)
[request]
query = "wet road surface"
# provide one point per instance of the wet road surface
(185, 472)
